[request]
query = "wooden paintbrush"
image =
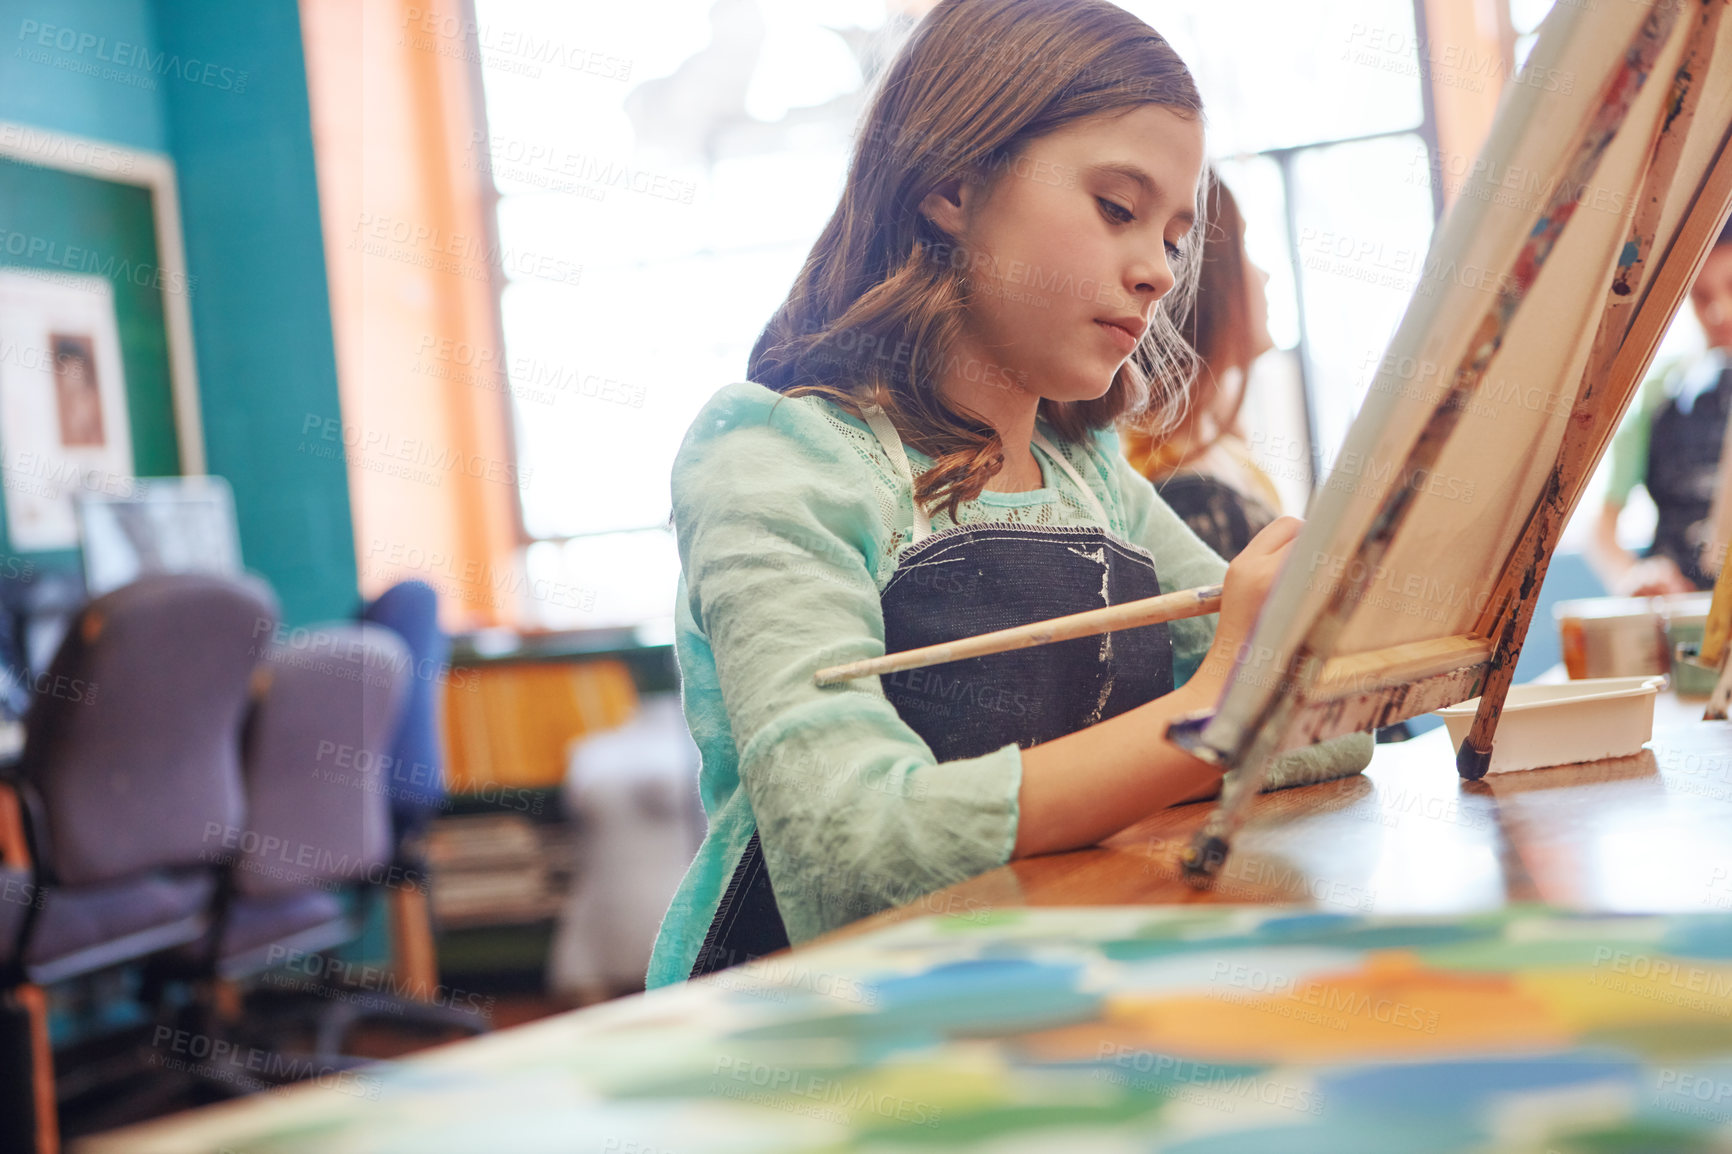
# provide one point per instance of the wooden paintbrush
(1148, 611)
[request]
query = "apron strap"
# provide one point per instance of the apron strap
(1063, 462)
(886, 434)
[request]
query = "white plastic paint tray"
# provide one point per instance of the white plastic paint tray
(1562, 724)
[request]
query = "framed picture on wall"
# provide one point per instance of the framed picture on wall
(77, 390)
(62, 403)
(97, 377)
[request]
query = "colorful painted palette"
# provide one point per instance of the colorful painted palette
(1201, 1031)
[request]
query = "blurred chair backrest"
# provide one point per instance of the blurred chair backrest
(415, 774)
(315, 749)
(134, 738)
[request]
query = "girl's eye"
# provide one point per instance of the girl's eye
(1115, 211)
(1175, 253)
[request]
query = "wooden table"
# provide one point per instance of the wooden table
(1650, 833)
(1647, 833)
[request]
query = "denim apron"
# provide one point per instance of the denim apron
(974, 579)
(1683, 469)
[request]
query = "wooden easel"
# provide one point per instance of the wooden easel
(1713, 651)
(1310, 693)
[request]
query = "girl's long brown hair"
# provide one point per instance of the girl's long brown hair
(879, 302)
(1218, 327)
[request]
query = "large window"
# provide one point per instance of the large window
(685, 153)
(686, 164)
(1318, 123)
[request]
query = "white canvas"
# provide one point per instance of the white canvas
(1432, 589)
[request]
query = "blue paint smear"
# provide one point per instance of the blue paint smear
(1325, 930)
(1631, 251)
(974, 978)
(1144, 949)
(1282, 926)
(1698, 938)
(1160, 1072)
(1393, 937)
(1430, 1089)
(1420, 1108)
(1340, 1135)
(1357, 934)
(975, 998)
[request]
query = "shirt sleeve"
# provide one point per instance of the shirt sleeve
(1630, 444)
(776, 519)
(1183, 561)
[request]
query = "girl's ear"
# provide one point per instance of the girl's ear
(943, 206)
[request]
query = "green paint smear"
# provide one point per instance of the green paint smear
(1647, 1137)
(292, 1138)
(1500, 956)
(1667, 1041)
(965, 924)
(1179, 926)
(1420, 938)
(704, 1085)
(993, 1122)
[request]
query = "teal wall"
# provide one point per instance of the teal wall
(236, 126)
(261, 314)
(49, 97)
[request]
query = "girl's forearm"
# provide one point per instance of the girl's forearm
(1090, 784)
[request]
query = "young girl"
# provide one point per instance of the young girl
(926, 451)
(1202, 469)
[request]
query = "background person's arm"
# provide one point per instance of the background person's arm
(1623, 573)
(1619, 570)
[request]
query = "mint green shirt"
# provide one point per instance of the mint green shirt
(789, 517)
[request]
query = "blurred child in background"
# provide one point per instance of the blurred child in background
(1670, 444)
(1203, 469)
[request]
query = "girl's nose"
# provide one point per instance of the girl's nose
(1151, 281)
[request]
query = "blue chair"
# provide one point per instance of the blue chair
(416, 779)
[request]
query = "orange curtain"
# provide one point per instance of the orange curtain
(409, 245)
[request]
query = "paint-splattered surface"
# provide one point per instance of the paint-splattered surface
(1213, 1031)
